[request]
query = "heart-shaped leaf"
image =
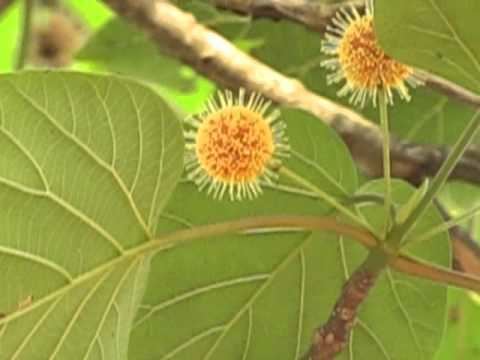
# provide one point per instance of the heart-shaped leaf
(86, 165)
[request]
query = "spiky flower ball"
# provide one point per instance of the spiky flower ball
(359, 60)
(233, 145)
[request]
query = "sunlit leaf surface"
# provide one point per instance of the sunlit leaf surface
(87, 164)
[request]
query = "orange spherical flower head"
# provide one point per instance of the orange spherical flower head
(358, 58)
(234, 146)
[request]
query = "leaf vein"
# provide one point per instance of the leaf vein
(35, 328)
(192, 341)
(257, 293)
(248, 340)
(433, 33)
(301, 310)
(199, 291)
(404, 312)
(77, 313)
(464, 46)
(86, 220)
(102, 100)
(160, 174)
(375, 338)
(28, 155)
(38, 260)
(108, 308)
(89, 152)
(140, 139)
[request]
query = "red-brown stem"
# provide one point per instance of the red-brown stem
(331, 339)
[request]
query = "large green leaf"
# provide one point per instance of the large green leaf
(260, 296)
(444, 34)
(461, 339)
(87, 164)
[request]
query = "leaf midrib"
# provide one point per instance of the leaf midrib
(99, 270)
(107, 167)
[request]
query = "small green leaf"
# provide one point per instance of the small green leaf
(412, 203)
(445, 36)
(87, 164)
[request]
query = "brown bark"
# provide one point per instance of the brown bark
(331, 339)
(313, 14)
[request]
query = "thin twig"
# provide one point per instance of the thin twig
(465, 249)
(314, 14)
(401, 231)
(436, 274)
(25, 34)
(450, 89)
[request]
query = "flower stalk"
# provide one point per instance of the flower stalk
(445, 225)
(401, 231)
(383, 102)
(25, 33)
(289, 174)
